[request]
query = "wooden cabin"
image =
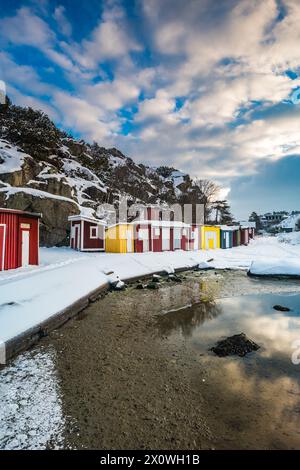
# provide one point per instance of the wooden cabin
(119, 238)
(236, 237)
(19, 239)
(87, 233)
(161, 235)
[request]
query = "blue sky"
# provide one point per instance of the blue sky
(211, 88)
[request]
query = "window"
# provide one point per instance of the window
(93, 232)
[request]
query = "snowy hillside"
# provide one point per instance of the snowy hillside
(290, 222)
(43, 169)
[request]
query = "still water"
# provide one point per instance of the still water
(254, 401)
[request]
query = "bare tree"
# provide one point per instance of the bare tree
(208, 192)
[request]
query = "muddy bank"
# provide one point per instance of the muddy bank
(135, 370)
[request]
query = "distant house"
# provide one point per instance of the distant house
(87, 233)
(19, 238)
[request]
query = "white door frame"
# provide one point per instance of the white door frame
(25, 252)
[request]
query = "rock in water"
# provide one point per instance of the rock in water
(235, 345)
(280, 308)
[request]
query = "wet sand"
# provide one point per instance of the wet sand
(135, 371)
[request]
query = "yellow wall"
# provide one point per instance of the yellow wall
(206, 229)
(116, 238)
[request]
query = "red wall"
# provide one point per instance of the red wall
(33, 239)
(91, 243)
(13, 239)
(244, 236)
(139, 244)
(157, 240)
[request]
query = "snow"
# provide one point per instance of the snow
(31, 295)
(13, 158)
(292, 238)
(290, 222)
(31, 413)
(275, 267)
(34, 192)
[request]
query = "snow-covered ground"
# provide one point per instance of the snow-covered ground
(28, 296)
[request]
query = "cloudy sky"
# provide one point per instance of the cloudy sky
(209, 87)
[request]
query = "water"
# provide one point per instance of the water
(253, 401)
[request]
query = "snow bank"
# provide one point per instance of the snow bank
(275, 267)
(292, 238)
(31, 413)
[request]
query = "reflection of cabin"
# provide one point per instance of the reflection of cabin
(119, 238)
(210, 237)
(87, 233)
(19, 238)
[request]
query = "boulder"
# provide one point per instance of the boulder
(238, 345)
(54, 225)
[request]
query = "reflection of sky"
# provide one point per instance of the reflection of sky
(255, 399)
(253, 315)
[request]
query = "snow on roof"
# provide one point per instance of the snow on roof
(17, 211)
(247, 224)
(161, 223)
(230, 228)
(88, 219)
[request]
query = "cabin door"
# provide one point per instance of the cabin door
(2, 246)
(227, 240)
(196, 239)
(211, 240)
(177, 238)
(129, 241)
(165, 239)
(77, 237)
(25, 247)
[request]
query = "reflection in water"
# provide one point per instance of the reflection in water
(186, 319)
(31, 413)
(253, 401)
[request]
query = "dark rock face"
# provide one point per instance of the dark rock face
(238, 345)
(281, 308)
(54, 227)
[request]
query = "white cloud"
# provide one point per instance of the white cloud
(83, 117)
(62, 21)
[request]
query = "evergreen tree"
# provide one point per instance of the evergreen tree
(223, 214)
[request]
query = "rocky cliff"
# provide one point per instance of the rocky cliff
(44, 169)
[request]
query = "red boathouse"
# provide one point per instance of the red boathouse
(87, 233)
(19, 239)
